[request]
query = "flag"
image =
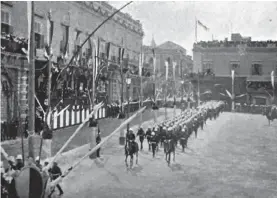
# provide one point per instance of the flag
(29, 18)
(154, 61)
(108, 45)
(272, 79)
(174, 67)
(166, 70)
(66, 40)
(233, 74)
(141, 63)
(203, 26)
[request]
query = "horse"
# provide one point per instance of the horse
(169, 148)
(131, 148)
(270, 114)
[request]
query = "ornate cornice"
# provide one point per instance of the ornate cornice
(105, 10)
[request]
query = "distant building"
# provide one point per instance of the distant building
(170, 52)
(253, 62)
(73, 21)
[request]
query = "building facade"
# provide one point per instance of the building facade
(72, 22)
(253, 62)
(168, 52)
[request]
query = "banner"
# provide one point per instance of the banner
(141, 57)
(166, 70)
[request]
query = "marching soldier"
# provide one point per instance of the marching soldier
(148, 136)
(98, 140)
(141, 135)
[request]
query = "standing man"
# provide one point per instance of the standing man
(98, 140)
(54, 173)
(141, 135)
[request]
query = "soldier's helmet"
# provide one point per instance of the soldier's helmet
(153, 133)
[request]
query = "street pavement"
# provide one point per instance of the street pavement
(234, 156)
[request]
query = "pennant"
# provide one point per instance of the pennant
(50, 28)
(203, 26)
(108, 45)
(174, 67)
(29, 18)
(272, 79)
(66, 41)
(166, 70)
(233, 75)
(96, 55)
(141, 63)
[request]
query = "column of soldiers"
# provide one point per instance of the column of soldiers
(179, 128)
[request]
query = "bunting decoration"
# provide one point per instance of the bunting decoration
(166, 70)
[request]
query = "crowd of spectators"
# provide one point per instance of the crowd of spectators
(211, 44)
(13, 168)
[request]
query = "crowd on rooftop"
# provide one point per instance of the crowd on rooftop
(210, 44)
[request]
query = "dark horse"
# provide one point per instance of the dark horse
(169, 147)
(270, 114)
(131, 148)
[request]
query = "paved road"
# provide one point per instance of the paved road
(235, 156)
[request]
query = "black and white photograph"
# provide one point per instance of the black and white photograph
(138, 99)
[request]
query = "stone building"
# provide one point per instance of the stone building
(168, 52)
(72, 22)
(253, 62)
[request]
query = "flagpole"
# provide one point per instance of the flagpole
(31, 87)
(198, 88)
(233, 90)
(141, 90)
(195, 30)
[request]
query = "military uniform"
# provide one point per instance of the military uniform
(141, 135)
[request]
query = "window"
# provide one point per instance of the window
(115, 90)
(256, 69)
(208, 68)
(6, 22)
(39, 38)
(235, 66)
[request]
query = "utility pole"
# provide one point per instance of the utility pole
(31, 81)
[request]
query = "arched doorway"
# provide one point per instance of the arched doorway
(6, 99)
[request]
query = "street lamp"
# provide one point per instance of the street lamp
(128, 82)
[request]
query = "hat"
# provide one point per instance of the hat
(19, 157)
(37, 158)
(153, 133)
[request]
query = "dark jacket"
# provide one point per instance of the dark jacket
(55, 172)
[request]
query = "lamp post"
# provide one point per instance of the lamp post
(128, 82)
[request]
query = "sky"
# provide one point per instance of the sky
(175, 20)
